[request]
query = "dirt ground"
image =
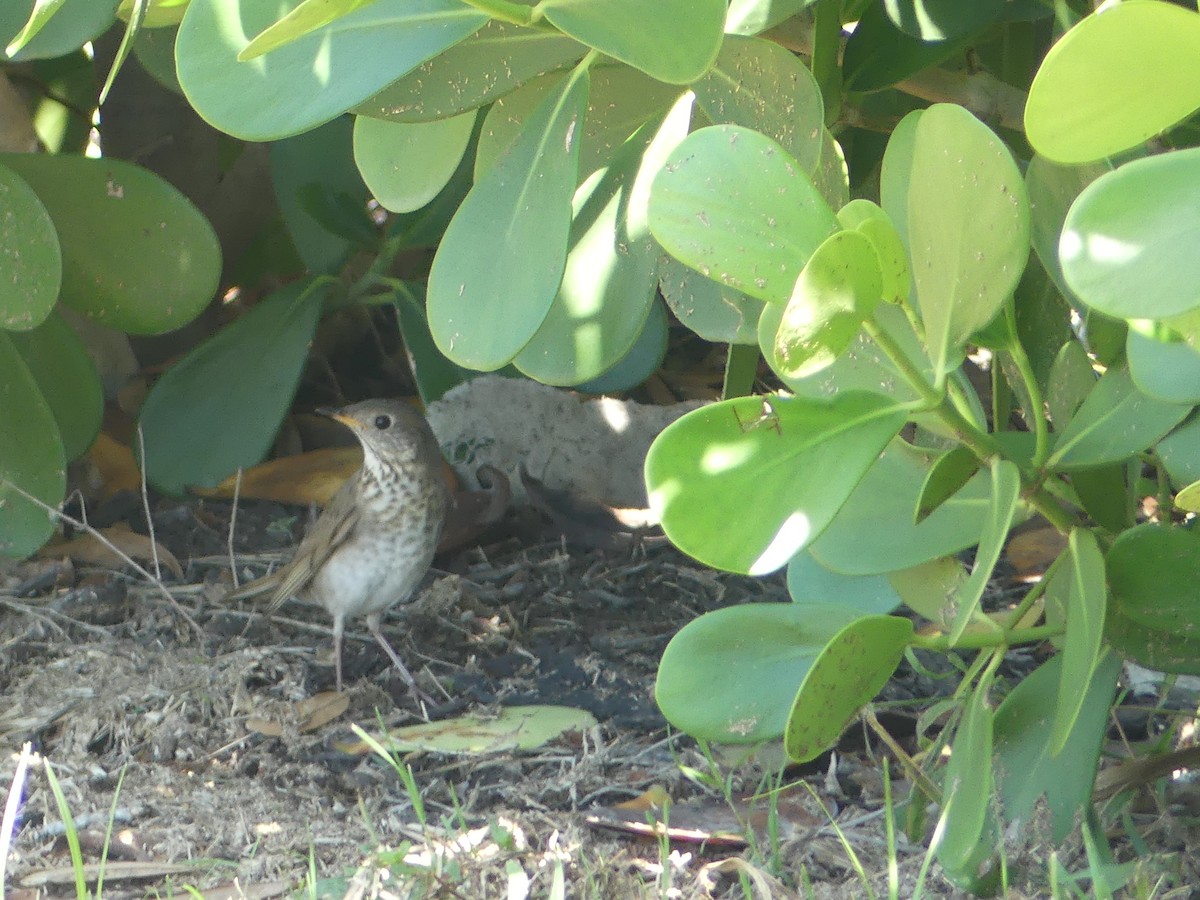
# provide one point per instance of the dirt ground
(229, 788)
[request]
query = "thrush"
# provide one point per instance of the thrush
(374, 542)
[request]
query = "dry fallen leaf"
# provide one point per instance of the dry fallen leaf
(88, 548)
(305, 478)
(1030, 552)
(321, 709)
(115, 465)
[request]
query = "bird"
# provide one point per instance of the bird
(375, 540)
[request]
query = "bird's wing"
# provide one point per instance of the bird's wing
(333, 527)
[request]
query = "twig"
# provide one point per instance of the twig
(129, 561)
(49, 616)
(237, 489)
(146, 502)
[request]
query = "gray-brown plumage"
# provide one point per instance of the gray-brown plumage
(374, 542)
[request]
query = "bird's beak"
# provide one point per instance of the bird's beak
(337, 415)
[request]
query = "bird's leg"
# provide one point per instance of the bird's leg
(373, 626)
(339, 625)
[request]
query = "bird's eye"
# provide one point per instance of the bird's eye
(383, 422)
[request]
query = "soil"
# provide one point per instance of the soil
(196, 745)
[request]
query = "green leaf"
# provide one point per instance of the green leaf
(31, 457)
(643, 359)
(316, 77)
(42, 11)
(304, 19)
(837, 289)
(878, 54)
(219, 407)
(967, 218)
(407, 165)
(1083, 647)
(321, 195)
(672, 40)
(876, 226)
(1071, 380)
(1005, 493)
(1052, 189)
(946, 477)
(61, 27)
(1115, 421)
(755, 16)
(1105, 495)
(611, 273)
(1152, 573)
(741, 461)
(931, 588)
(491, 63)
(849, 671)
(1026, 768)
(940, 20)
(736, 207)
(758, 84)
(717, 314)
(1128, 243)
(66, 379)
(620, 100)
(875, 532)
(762, 650)
(810, 583)
(1163, 369)
(485, 298)
(31, 262)
(967, 794)
(1180, 451)
(1103, 87)
(155, 264)
(432, 372)
(1188, 499)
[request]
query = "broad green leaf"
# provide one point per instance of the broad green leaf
(755, 16)
(407, 165)
(762, 650)
(1083, 647)
(322, 195)
(42, 12)
(1005, 480)
(620, 101)
(31, 261)
(931, 588)
(1025, 767)
(1180, 451)
(304, 19)
(878, 54)
(1128, 243)
(155, 51)
(736, 207)
(1052, 189)
(62, 27)
(1104, 494)
(718, 314)
(316, 77)
(485, 298)
(432, 372)
(1163, 369)
(31, 457)
(1153, 571)
(1115, 421)
(611, 274)
(153, 266)
(1042, 317)
(946, 477)
(159, 13)
(832, 177)
(876, 226)
(760, 85)
(1071, 380)
(967, 792)
(779, 468)
(491, 63)
(849, 671)
(1116, 79)
(837, 290)
(641, 361)
(220, 406)
(810, 583)
(875, 533)
(66, 379)
(1164, 649)
(1188, 499)
(672, 40)
(967, 216)
(940, 20)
